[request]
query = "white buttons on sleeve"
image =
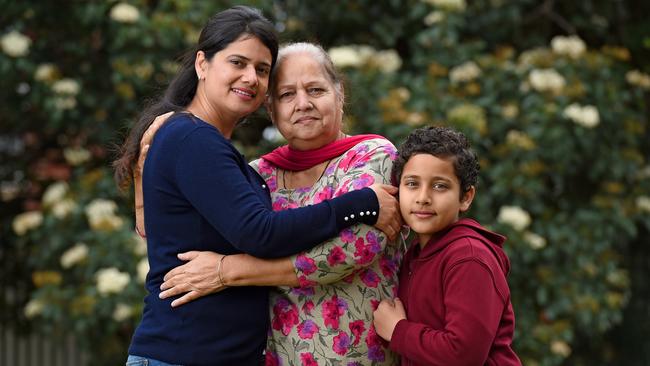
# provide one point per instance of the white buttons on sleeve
(351, 216)
(374, 213)
(345, 218)
(361, 213)
(264, 186)
(368, 213)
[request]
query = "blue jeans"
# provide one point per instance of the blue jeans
(143, 361)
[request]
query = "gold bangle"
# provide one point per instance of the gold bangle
(219, 274)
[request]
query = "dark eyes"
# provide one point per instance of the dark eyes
(314, 91)
(436, 186)
(262, 71)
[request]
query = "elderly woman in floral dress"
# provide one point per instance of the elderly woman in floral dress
(321, 311)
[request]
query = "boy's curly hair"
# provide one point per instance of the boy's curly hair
(444, 143)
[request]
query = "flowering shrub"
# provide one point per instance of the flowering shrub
(560, 131)
(558, 118)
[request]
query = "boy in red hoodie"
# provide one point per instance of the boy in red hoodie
(455, 304)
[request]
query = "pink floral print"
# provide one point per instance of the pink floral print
(328, 320)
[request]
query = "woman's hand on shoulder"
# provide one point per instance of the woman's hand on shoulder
(390, 219)
(147, 137)
(145, 142)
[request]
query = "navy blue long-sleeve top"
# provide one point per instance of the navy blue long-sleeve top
(200, 194)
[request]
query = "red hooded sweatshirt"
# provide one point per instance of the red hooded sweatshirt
(457, 300)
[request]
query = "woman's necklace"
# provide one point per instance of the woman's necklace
(284, 175)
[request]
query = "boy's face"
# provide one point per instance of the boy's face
(429, 192)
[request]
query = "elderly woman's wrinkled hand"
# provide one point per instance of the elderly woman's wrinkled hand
(198, 277)
(390, 219)
(146, 139)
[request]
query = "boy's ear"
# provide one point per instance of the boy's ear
(467, 199)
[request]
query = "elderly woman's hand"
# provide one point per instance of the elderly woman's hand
(198, 277)
(390, 219)
(145, 142)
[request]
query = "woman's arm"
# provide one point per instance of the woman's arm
(207, 272)
(356, 247)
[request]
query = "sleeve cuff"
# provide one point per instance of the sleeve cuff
(360, 206)
(399, 336)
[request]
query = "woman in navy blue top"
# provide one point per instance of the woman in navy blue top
(200, 194)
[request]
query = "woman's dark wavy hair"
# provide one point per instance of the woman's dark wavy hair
(221, 30)
(443, 143)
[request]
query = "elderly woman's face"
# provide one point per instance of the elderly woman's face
(305, 106)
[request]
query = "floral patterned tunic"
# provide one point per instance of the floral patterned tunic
(328, 320)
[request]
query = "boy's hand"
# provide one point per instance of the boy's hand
(387, 315)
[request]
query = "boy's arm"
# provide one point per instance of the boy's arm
(473, 312)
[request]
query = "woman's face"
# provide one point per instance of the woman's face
(236, 79)
(305, 106)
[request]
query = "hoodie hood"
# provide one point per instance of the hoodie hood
(468, 228)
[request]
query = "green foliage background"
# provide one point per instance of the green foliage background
(573, 198)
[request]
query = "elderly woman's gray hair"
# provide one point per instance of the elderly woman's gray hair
(317, 53)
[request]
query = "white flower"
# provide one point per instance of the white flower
(101, 215)
(346, 56)
(571, 46)
(464, 72)
(532, 57)
(451, 5)
(514, 216)
(125, 13)
(272, 134)
(638, 78)
(33, 308)
(54, 193)
(45, 72)
(27, 221)
(122, 312)
(510, 111)
(139, 245)
(586, 116)
(434, 17)
(560, 348)
(143, 269)
(74, 255)
(66, 86)
(63, 208)
(643, 203)
(388, 61)
(546, 80)
(111, 280)
(520, 139)
(403, 93)
(64, 103)
(76, 155)
(9, 191)
(15, 44)
(535, 241)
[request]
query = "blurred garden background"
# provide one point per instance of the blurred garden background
(553, 94)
